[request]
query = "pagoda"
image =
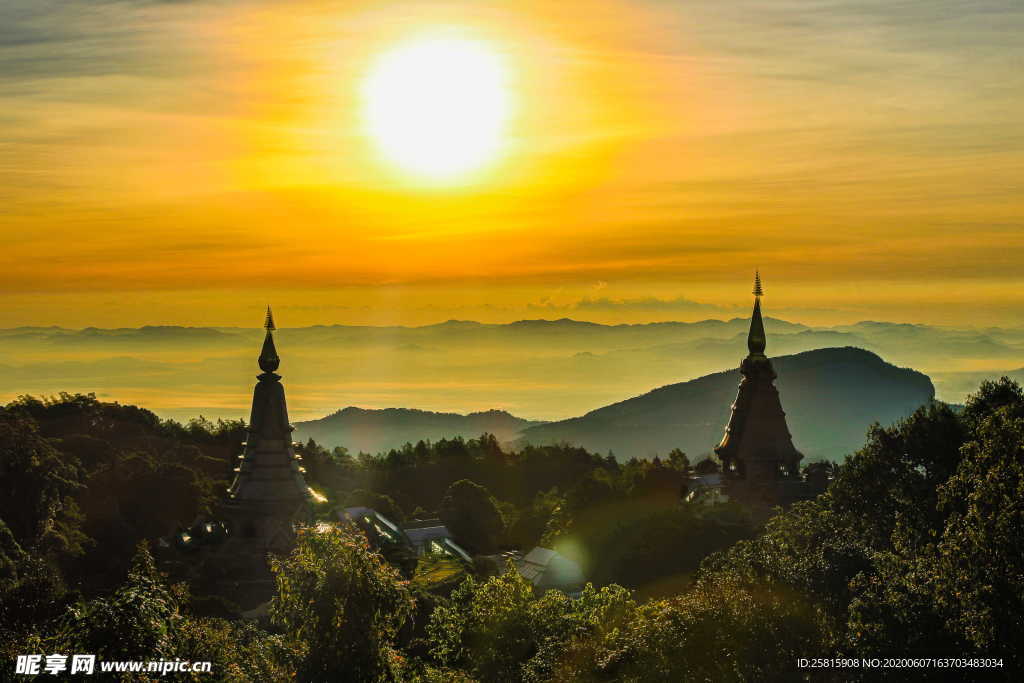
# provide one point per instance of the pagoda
(759, 462)
(269, 495)
(226, 554)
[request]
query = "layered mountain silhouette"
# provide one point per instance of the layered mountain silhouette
(966, 383)
(831, 397)
(372, 431)
(541, 369)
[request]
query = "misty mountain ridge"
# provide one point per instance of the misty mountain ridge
(831, 397)
(894, 330)
(550, 369)
(372, 431)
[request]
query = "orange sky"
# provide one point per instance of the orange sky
(188, 162)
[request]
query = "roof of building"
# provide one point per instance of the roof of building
(546, 568)
(711, 479)
(450, 547)
(421, 535)
(423, 539)
(540, 556)
(370, 519)
(421, 523)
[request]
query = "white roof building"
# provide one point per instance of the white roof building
(547, 569)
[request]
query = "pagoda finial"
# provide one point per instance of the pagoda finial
(269, 360)
(756, 340)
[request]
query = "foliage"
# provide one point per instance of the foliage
(707, 465)
(91, 479)
(531, 523)
(963, 590)
(471, 514)
(136, 622)
(11, 556)
(434, 571)
(720, 631)
(33, 594)
(237, 650)
(679, 461)
(980, 568)
(36, 480)
(915, 548)
(634, 530)
(501, 631)
(382, 503)
(418, 475)
(343, 604)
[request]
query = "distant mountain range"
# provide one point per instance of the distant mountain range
(831, 397)
(541, 369)
(961, 383)
(372, 431)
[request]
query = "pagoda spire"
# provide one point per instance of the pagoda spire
(268, 498)
(269, 491)
(756, 338)
(269, 360)
(757, 446)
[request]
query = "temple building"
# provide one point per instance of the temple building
(226, 555)
(269, 495)
(760, 464)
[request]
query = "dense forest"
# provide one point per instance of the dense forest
(914, 550)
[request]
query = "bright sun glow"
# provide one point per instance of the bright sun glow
(437, 107)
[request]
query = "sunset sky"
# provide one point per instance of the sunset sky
(187, 162)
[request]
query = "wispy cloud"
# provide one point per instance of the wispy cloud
(213, 146)
(647, 306)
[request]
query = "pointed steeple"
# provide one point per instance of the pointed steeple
(268, 498)
(269, 491)
(756, 339)
(269, 360)
(757, 446)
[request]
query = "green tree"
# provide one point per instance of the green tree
(471, 514)
(31, 593)
(529, 527)
(381, 502)
(679, 461)
(965, 590)
(991, 396)
(36, 480)
(720, 631)
(979, 583)
(501, 631)
(707, 465)
(239, 651)
(591, 490)
(343, 604)
(137, 621)
(11, 557)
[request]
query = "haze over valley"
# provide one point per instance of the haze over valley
(534, 369)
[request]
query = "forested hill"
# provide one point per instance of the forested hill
(831, 397)
(373, 431)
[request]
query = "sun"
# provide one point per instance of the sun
(437, 107)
